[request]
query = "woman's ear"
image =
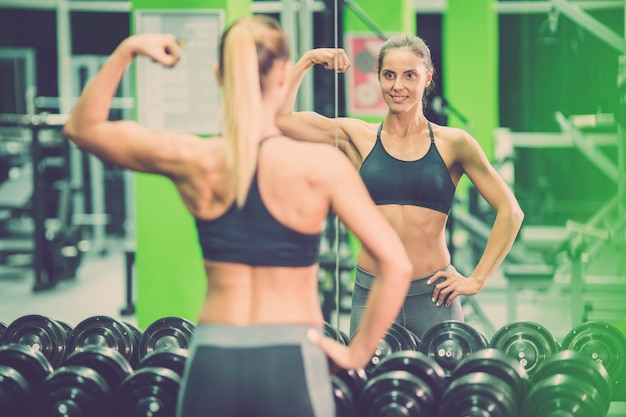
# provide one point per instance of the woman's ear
(285, 72)
(218, 73)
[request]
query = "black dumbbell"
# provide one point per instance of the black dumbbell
(348, 386)
(22, 371)
(405, 383)
(569, 384)
(105, 331)
(478, 394)
(108, 362)
(497, 363)
(449, 342)
(39, 333)
(606, 344)
(149, 391)
(335, 333)
(15, 393)
(73, 391)
(83, 385)
(395, 393)
(527, 342)
(398, 338)
(167, 333)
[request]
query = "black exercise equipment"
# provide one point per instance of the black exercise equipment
(167, 333)
(348, 385)
(109, 363)
(418, 364)
(150, 391)
(15, 393)
(56, 251)
(396, 393)
(398, 338)
(108, 332)
(479, 394)
(568, 384)
(335, 333)
(605, 344)
(450, 341)
(73, 391)
(40, 333)
(527, 342)
(22, 370)
(499, 364)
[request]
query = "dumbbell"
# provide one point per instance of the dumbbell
(485, 383)
(39, 333)
(83, 385)
(347, 387)
(106, 331)
(335, 333)
(165, 343)
(499, 364)
(153, 387)
(450, 341)
(570, 384)
(22, 370)
(604, 343)
(398, 338)
(404, 383)
(527, 342)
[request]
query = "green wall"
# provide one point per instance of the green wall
(169, 269)
(470, 68)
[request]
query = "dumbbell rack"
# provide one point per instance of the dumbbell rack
(39, 246)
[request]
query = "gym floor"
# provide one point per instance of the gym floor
(99, 289)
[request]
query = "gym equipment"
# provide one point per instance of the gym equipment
(15, 393)
(605, 344)
(397, 338)
(109, 363)
(3, 327)
(56, 245)
(173, 359)
(168, 333)
(22, 370)
(479, 394)
(418, 364)
(348, 386)
(528, 342)
(149, 391)
(105, 331)
(499, 364)
(336, 334)
(450, 341)
(40, 333)
(569, 384)
(396, 393)
(73, 390)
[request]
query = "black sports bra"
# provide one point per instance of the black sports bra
(424, 182)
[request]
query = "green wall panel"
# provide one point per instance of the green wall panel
(470, 68)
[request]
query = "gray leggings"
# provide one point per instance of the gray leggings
(418, 312)
(255, 371)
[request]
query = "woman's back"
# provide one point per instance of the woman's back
(261, 258)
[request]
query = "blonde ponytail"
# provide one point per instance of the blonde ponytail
(248, 49)
(241, 105)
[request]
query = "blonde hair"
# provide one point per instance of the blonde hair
(248, 49)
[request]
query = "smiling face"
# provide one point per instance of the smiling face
(403, 77)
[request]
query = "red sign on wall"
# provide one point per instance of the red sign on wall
(364, 97)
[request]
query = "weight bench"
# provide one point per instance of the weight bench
(520, 276)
